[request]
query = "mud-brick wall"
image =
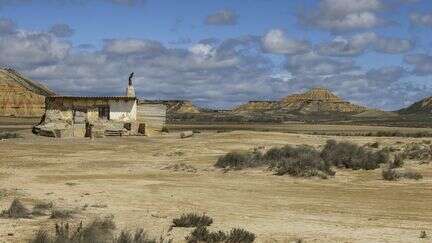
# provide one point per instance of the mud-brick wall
(153, 115)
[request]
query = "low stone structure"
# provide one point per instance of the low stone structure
(83, 116)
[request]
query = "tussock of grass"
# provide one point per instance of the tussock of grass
(202, 234)
(192, 220)
(41, 208)
(60, 213)
(98, 231)
(16, 210)
(390, 174)
(349, 155)
(8, 135)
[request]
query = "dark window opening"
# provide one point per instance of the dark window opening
(104, 112)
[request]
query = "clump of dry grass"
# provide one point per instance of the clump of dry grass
(236, 235)
(41, 208)
(16, 210)
(8, 135)
(349, 155)
(98, 231)
(61, 213)
(192, 220)
(391, 174)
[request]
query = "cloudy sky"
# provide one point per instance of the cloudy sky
(220, 53)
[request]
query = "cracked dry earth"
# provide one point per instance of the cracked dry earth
(146, 182)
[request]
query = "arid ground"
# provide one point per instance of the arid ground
(134, 179)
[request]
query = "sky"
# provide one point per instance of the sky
(222, 53)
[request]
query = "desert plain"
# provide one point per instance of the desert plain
(145, 182)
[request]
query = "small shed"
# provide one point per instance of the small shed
(153, 115)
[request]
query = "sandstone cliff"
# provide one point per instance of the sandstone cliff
(423, 106)
(20, 96)
(316, 100)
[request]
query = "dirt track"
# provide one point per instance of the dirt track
(128, 176)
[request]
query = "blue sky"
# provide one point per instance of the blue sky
(226, 52)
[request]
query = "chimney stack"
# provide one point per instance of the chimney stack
(130, 91)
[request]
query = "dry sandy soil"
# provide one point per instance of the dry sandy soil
(127, 177)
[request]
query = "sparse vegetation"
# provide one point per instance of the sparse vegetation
(202, 234)
(306, 161)
(59, 213)
(398, 161)
(192, 220)
(41, 208)
(391, 174)
(165, 129)
(16, 210)
(302, 161)
(423, 235)
(8, 135)
(418, 151)
(349, 155)
(240, 160)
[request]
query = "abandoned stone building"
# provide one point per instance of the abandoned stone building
(84, 116)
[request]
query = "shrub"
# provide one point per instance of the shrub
(139, 236)
(16, 210)
(240, 236)
(302, 162)
(374, 145)
(240, 160)
(412, 175)
(8, 135)
(99, 231)
(201, 234)
(352, 156)
(192, 220)
(398, 161)
(62, 213)
(165, 129)
(389, 174)
(40, 208)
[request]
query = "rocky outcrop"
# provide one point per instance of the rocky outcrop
(423, 106)
(180, 106)
(257, 106)
(316, 100)
(20, 96)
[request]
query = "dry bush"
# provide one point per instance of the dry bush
(139, 236)
(418, 151)
(202, 234)
(98, 231)
(240, 160)
(8, 135)
(412, 175)
(302, 161)
(349, 155)
(60, 213)
(16, 210)
(41, 208)
(391, 174)
(192, 220)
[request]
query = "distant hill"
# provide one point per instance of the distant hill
(315, 101)
(423, 106)
(180, 106)
(20, 96)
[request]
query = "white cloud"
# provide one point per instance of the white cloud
(421, 19)
(359, 43)
(345, 15)
(275, 41)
